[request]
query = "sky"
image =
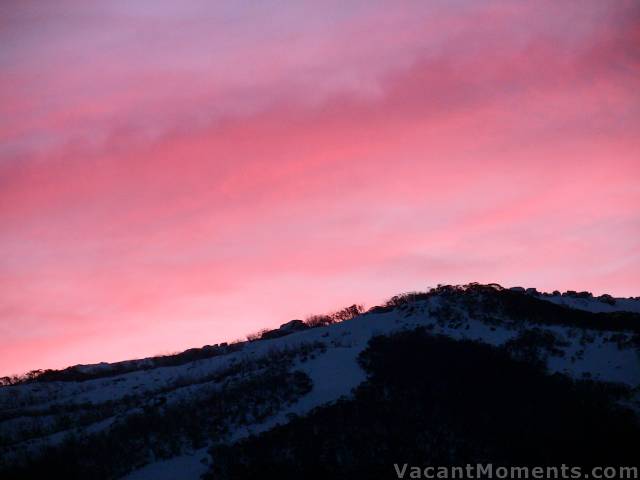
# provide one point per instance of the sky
(174, 174)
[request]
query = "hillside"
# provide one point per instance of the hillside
(416, 379)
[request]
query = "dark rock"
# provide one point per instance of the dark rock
(294, 326)
(608, 299)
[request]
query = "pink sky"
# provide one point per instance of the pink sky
(174, 174)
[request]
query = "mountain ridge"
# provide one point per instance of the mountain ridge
(271, 381)
(581, 300)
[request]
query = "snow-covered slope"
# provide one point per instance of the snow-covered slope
(585, 301)
(36, 414)
(596, 305)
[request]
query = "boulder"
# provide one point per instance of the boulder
(608, 299)
(294, 326)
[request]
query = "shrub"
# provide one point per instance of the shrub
(341, 315)
(252, 337)
(314, 321)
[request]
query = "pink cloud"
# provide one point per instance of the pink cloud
(165, 183)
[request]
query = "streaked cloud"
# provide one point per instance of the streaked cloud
(172, 175)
